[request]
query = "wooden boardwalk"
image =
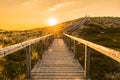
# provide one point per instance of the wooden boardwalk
(58, 63)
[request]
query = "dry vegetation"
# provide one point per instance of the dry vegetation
(13, 66)
(102, 30)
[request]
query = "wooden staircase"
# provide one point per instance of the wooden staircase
(58, 63)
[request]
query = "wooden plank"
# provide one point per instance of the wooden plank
(56, 74)
(60, 79)
(73, 77)
(58, 71)
(57, 63)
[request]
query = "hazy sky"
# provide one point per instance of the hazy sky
(35, 12)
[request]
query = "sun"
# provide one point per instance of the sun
(52, 21)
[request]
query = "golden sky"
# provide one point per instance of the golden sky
(37, 12)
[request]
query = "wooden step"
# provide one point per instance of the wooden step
(58, 63)
(58, 71)
(73, 77)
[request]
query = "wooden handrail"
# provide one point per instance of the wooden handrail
(27, 44)
(13, 48)
(104, 50)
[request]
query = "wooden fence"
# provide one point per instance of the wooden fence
(27, 45)
(103, 50)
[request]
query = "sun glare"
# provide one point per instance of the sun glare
(52, 21)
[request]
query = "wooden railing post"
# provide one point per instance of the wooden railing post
(47, 43)
(69, 43)
(40, 49)
(75, 49)
(87, 62)
(28, 62)
(66, 40)
(50, 40)
(64, 37)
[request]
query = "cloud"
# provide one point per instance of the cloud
(65, 4)
(30, 3)
(56, 7)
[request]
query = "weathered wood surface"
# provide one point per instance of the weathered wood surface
(104, 50)
(28, 62)
(87, 62)
(58, 64)
(11, 49)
